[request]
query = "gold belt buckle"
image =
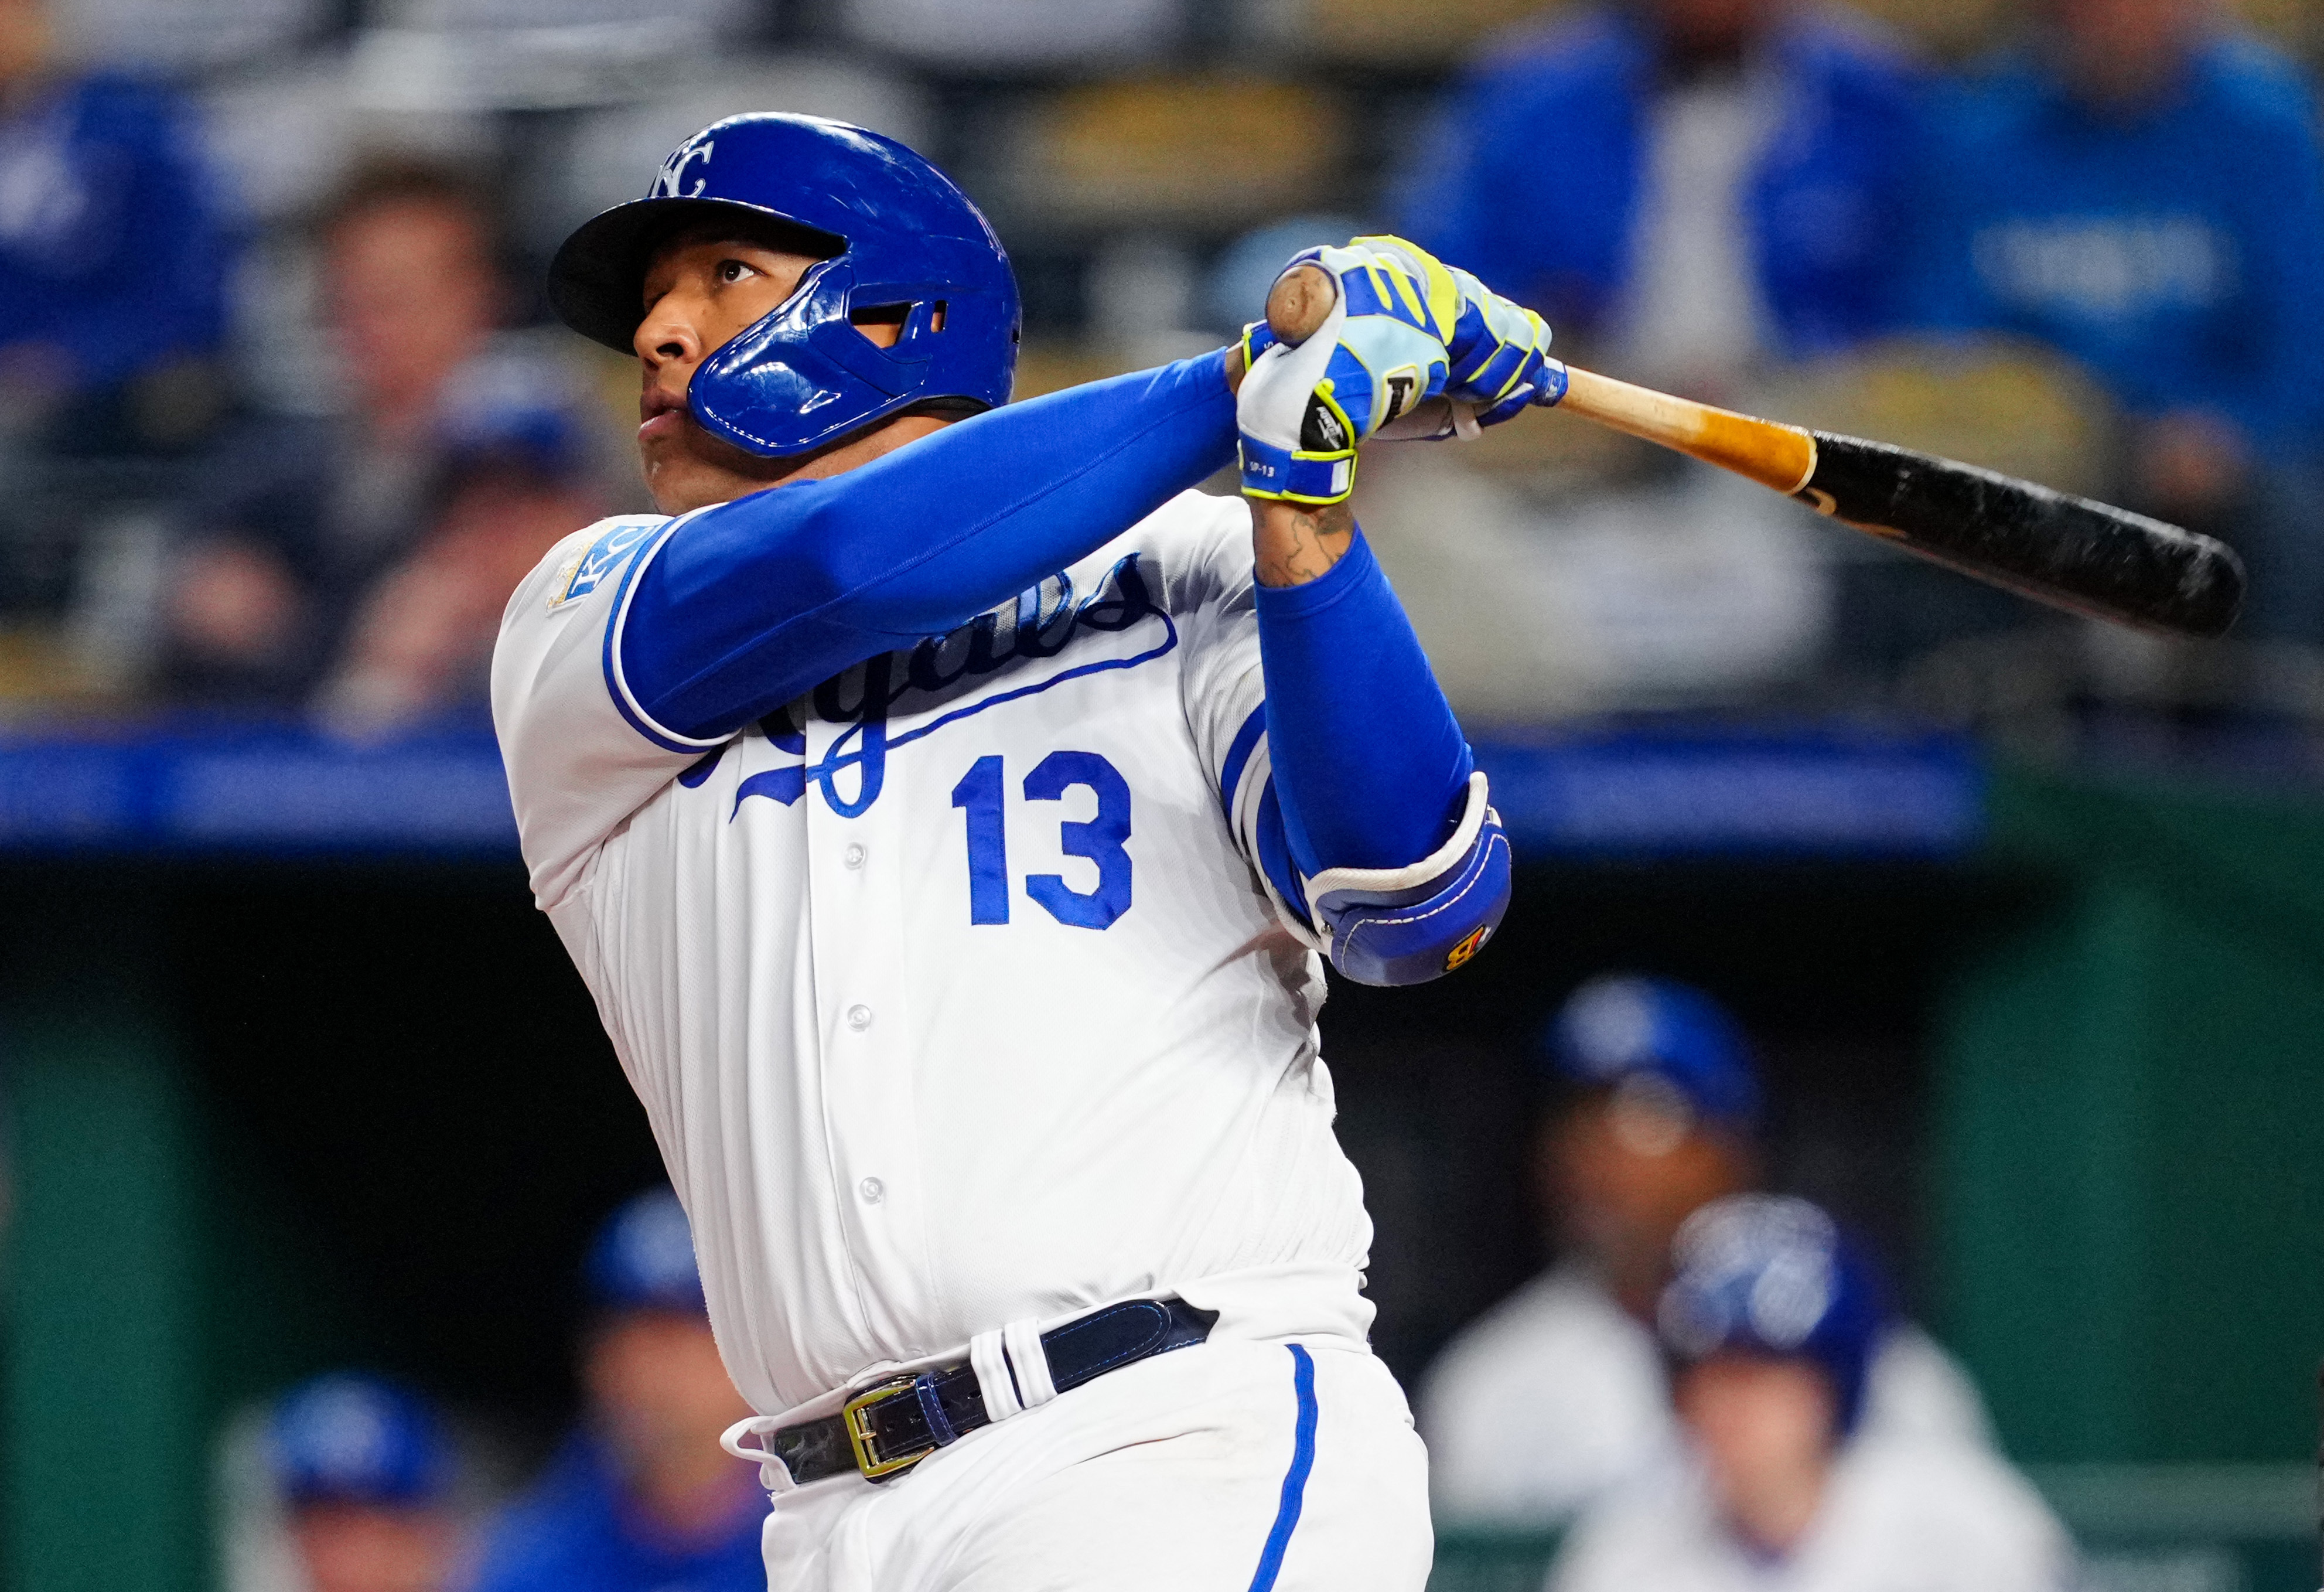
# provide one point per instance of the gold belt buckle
(864, 1440)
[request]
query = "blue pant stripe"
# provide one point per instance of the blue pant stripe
(1294, 1480)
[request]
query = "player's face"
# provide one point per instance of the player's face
(699, 292)
(1618, 1184)
(363, 1548)
(25, 38)
(662, 1397)
(1765, 1429)
(2125, 49)
(412, 294)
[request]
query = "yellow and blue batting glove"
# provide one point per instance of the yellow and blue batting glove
(1302, 413)
(1498, 348)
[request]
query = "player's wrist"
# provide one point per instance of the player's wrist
(1293, 543)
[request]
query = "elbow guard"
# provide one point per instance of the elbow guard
(1396, 926)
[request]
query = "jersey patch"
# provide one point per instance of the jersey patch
(604, 555)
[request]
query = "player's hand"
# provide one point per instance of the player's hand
(1499, 350)
(1377, 357)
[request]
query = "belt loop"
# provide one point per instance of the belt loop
(932, 1409)
(774, 1475)
(992, 1380)
(1030, 1361)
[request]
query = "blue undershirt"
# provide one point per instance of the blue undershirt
(756, 601)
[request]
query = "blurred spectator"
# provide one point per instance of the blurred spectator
(1557, 1394)
(1771, 1326)
(1694, 192)
(420, 642)
(1016, 36)
(300, 517)
(1728, 181)
(642, 1498)
(364, 1468)
(2142, 189)
(113, 257)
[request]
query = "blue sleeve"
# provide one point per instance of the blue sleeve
(1370, 767)
(1370, 825)
(755, 601)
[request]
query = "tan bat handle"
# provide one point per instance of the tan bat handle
(1766, 451)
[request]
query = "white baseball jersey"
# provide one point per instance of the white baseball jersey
(951, 991)
(1897, 1516)
(1557, 1395)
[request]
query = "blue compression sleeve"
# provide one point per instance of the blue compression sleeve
(755, 601)
(1370, 769)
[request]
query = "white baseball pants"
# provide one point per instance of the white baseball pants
(1229, 1467)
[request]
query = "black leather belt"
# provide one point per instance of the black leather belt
(888, 1429)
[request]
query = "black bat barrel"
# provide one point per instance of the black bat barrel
(2062, 550)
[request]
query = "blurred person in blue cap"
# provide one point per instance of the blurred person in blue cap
(2139, 185)
(364, 1469)
(298, 518)
(1773, 1328)
(1557, 1394)
(114, 252)
(640, 1498)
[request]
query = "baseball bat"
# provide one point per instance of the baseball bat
(2070, 552)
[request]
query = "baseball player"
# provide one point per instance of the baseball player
(1557, 1394)
(951, 836)
(1770, 1324)
(637, 1499)
(365, 1472)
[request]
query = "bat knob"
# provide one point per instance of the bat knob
(1299, 302)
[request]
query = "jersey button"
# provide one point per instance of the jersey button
(859, 1018)
(854, 856)
(872, 1189)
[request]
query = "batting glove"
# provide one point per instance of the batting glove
(1498, 348)
(1302, 413)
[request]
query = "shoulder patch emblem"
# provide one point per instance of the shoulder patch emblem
(579, 578)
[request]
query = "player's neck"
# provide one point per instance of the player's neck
(714, 472)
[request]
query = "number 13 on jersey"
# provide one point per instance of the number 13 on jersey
(982, 794)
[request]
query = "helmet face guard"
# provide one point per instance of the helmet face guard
(901, 245)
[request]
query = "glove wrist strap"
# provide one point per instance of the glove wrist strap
(1290, 476)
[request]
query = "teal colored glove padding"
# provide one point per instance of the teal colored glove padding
(1302, 413)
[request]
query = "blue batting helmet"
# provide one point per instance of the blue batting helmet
(1770, 1274)
(1620, 1027)
(642, 1258)
(345, 1439)
(892, 234)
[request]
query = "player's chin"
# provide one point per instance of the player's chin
(688, 468)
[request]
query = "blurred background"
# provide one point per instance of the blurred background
(1990, 932)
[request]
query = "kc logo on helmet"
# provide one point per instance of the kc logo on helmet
(668, 185)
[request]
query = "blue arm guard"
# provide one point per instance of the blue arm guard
(1396, 926)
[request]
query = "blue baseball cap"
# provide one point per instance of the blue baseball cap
(1770, 1274)
(642, 1258)
(349, 1439)
(1621, 1027)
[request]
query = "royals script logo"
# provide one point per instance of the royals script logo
(1007, 642)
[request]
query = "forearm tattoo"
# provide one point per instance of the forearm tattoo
(1293, 544)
